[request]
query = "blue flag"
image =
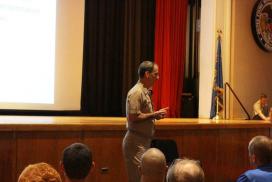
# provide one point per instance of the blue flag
(217, 92)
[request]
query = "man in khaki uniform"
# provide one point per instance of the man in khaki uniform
(140, 119)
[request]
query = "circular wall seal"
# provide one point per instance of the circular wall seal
(261, 24)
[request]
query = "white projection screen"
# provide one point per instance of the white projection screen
(41, 54)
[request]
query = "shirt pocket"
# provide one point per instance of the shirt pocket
(147, 105)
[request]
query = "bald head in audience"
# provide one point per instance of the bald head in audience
(260, 151)
(153, 166)
(40, 172)
(185, 170)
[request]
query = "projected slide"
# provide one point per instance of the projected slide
(27, 51)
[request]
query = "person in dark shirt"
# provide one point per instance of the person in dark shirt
(76, 162)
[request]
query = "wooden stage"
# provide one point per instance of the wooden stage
(220, 146)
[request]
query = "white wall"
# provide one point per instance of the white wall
(251, 66)
(215, 15)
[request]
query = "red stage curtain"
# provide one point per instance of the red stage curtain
(170, 48)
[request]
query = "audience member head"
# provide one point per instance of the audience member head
(40, 172)
(185, 170)
(263, 100)
(153, 166)
(76, 162)
(260, 151)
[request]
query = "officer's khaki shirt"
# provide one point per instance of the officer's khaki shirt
(139, 101)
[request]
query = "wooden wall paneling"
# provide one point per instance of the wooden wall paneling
(43, 146)
(171, 135)
(107, 154)
(231, 154)
(8, 159)
(252, 132)
(221, 147)
(202, 145)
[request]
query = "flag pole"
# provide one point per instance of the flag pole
(217, 92)
(217, 115)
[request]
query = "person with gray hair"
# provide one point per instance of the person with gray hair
(260, 157)
(140, 119)
(153, 166)
(185, 170)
